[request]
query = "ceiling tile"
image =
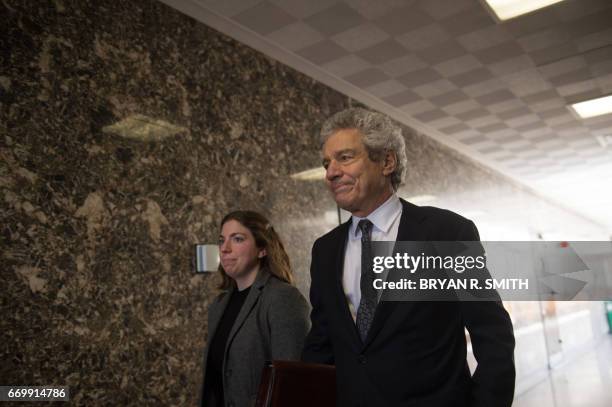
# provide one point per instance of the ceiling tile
(322, 52)
(382, 52)
(386, 88)
(482, 121)
(544, 39)
(492, 127)
(455, 128)
(402, 98)
(421, 76)
(578, 75)
(510, 114)
(485, 38)
(495, 97)
(499, 53)
(300, 8)
(375, 9)
(461, 107)
(295, 36)
(435, 88)
(522, 120)
(230, 8)
(474, 113)
(553, 53)
(264, 18)
(462, 64)
(400, 21)
(400, 66)
(483, 87)
(346, 65)
(367, 77)
(527, 82)
(468, 20)
(419, 106)
(505, 105)
(430, 115)
(335, 19)
(442, 52)
(423, 37)
(360, 37)
(440, 9)
(449, 98)
(520, 63)
(471, 77)
(578, 88)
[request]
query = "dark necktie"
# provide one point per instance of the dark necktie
(367, 305)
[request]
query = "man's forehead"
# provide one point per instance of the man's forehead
(344, 139)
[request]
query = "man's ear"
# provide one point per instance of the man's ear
(389, 163)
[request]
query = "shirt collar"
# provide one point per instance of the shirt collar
(382, 217)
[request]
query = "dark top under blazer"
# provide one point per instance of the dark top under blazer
(271, 325)
(415, 352)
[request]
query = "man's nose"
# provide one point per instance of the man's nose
(333, 171)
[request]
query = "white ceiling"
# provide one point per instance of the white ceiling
(496, 92)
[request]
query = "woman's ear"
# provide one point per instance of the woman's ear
(262, 253)
(389, 162)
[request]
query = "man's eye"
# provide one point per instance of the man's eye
(325, 164)
(345, 157)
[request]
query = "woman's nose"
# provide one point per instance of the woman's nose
(225, 247)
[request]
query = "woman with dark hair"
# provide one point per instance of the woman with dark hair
(260, 316)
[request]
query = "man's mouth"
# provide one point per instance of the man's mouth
(336, 189)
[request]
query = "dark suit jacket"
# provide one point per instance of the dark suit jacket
(271, 324)
(415, 352)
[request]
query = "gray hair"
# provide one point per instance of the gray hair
(378, 133)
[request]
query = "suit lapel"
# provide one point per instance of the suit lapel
(408, 230)
(249, 303)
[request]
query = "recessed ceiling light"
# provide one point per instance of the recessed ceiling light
(143, 128)
(314, 174)
(593, 107)
(507, 9)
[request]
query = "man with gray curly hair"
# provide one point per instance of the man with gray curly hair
(395, 353)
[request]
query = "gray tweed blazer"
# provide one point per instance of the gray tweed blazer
(271, 325)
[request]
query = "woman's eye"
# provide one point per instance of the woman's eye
(238, 239)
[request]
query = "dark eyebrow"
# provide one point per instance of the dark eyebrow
(232, 235)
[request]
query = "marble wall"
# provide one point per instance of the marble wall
(99, 217)
(98, 291)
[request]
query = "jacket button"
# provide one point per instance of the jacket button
(361, 359)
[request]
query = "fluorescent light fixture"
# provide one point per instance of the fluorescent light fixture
(314, 174)
(141, 127)
(507, 9)
(593, 107)
(421, 199)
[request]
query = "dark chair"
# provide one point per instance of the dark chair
(297, 384)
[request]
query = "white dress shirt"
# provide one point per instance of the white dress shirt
(386, 219)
